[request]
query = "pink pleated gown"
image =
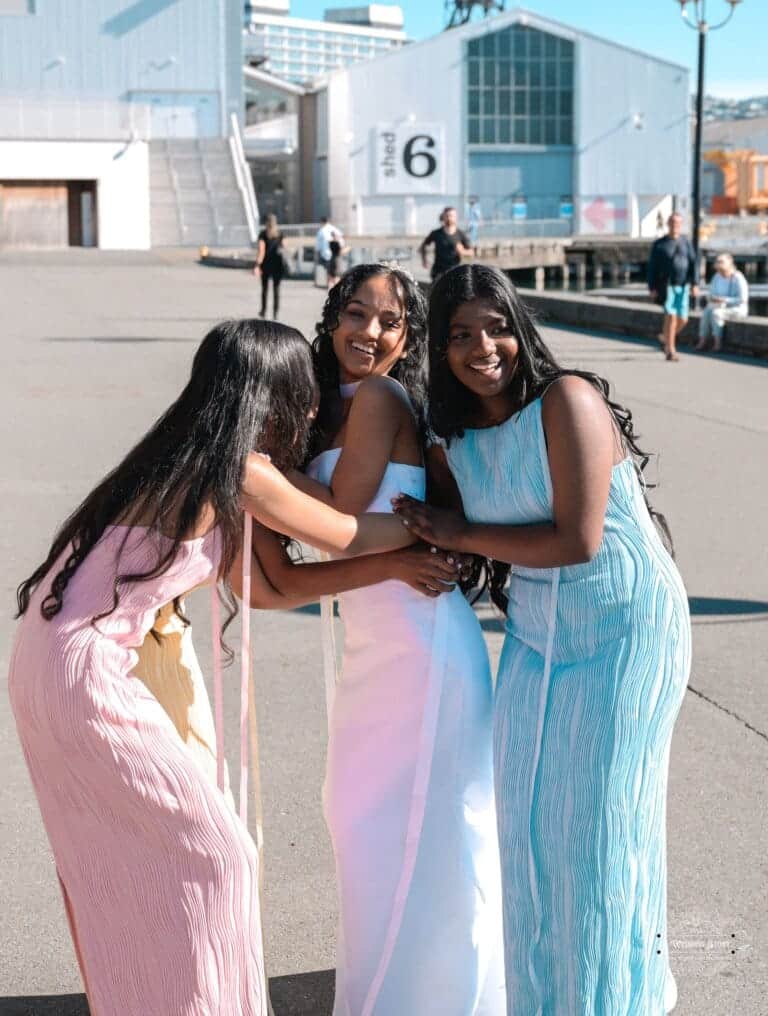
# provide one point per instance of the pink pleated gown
(160, 877)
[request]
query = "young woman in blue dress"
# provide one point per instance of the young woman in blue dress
(596, 655)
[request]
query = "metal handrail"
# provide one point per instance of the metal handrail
(244, 179)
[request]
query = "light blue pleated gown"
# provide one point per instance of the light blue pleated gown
(592, 675)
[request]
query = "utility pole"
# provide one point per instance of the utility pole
(700, 24)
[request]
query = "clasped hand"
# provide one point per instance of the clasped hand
(437, 526)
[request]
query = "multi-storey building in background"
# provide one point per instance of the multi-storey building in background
(300, 50)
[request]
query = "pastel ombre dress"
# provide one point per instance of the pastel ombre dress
(409, 799)
(592, 675)
(160, 876)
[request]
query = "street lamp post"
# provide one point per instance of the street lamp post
(698, 22)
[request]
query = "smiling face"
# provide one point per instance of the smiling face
(482, 354)
(372, 331)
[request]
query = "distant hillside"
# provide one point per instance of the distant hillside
(735, 109)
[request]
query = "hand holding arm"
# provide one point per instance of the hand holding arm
(278, 505)
(279, 583)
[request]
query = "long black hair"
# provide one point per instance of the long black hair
(251, 389)
(410, 371)
(453, 407)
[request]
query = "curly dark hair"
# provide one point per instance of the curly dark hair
(453, 407)
(251, 389)
(410, 372)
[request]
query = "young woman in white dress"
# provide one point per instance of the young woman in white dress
(409, 788)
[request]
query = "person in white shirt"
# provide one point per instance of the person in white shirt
(728, 298)
(323, 238)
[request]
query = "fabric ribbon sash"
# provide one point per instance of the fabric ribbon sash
(249, 736)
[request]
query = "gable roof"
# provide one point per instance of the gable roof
(505, 19)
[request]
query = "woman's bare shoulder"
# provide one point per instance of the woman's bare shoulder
(382, 395)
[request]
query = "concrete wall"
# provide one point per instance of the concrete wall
(120, 171)
(112, 49)
(626, 317)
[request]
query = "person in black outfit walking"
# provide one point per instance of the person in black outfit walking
(451, 244)
(270, 263)
(672, 280)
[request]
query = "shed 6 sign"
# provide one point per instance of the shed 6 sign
(409, 158)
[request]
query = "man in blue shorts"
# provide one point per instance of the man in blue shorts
(672, 280)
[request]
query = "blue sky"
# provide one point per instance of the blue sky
(737, 57)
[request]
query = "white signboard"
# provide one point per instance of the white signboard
(409, 158)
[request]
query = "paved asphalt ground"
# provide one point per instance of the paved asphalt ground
(94, 346)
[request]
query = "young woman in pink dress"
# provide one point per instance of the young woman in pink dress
(159, 876)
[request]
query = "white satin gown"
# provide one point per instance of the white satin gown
(409, 799)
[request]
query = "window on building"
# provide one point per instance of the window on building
(520, 85)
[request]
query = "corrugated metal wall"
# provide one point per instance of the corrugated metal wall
(632, 124)
(107, 49)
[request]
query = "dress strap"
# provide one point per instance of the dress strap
(218, 698)
(330, 657)
(245, 665)
(249, 744)
(249, 737)
(542, 712)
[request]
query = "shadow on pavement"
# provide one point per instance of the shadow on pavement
(117, 338)
(708, 606)
(494, 624)
(44, 1005)
(309, 994)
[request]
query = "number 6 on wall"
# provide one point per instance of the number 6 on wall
(429, 163)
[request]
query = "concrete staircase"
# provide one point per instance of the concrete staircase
(194, 196)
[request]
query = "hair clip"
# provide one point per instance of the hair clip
(395, 266)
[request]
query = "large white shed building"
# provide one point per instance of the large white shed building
(552, 129)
